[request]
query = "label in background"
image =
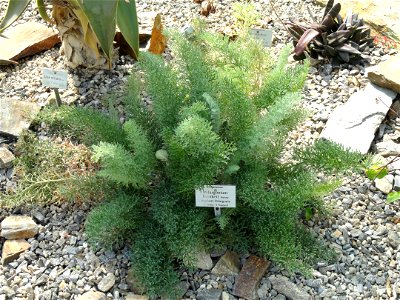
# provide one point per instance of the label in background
(55, 78)
(264, 35)
(216, 196)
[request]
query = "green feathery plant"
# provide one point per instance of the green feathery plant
(221, 112)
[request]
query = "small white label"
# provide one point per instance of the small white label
(55, 78)
(216, 196)
(264, 35)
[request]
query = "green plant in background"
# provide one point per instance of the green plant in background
(50, 171)
(86, 28)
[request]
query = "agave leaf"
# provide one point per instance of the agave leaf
(348, 49)
(367, 40)
(342, 27)
(354, 45)
(5, 62)
(318, 41)
(102, 19)
(339, 19)
(335, 10)
(324, 38)
(365, 33)
(294, 33)
(327, 8)
(42, 11)
(349, 18)
(305, 39)
(14, 10)
(362, 23)
(127, 22)
(328, 23)
(335, 38)
(363, 47)
(330, 50)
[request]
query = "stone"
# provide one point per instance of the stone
(354, 123)
(106, 283)
(384, 184)
(91, 295)
(381, 18)
(394, 239)
(18, 227)
(211, 294)
(387, 74)
(249, 277)
(6, 158)
(203, 260)
(388, 148)
(132, 296)
(12, 250)
(16, 115)
(26, 39)
(396, 183)
(284, 286)
(228, 264)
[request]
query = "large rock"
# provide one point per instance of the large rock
(12, 250)
(106, 283)
(18, 227)
(284, 286)
(388, 148)
(228, 264)
(203, 260)
(387, 74)
(92, 296)
(354, 123)
(211, 294)
(15, 115)
(382, 18)
(6, 158)
(26, 39)
(249, 277)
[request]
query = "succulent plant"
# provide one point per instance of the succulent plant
(335, 38)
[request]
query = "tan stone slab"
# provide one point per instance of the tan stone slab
(132, 296)
(382, 18)
(18, 227)
(16, 115)
(387, 74)
(26, 39)
(12, 249)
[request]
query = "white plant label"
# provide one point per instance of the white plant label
(264, 35)
(56, 79)
(217, 196)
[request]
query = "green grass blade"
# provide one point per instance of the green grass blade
(14, 10)
(102, 18)
(392, 197)
(127, 22)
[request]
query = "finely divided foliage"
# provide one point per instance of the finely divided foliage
(220, 115)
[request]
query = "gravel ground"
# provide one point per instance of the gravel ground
(363, 229)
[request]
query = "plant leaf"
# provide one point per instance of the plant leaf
(308, 213)
(127, 22)
(158, 41)
(102, 19)
(328, 8)
(42, 11)
(215, 112)
(377, 171)
(232, 169)
(14, 10)
(347, 48)
(305, 39)
(392, 197)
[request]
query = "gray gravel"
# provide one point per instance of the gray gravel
(363, 229)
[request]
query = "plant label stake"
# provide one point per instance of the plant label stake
(216, 196)
(264, 35)
(56, 79)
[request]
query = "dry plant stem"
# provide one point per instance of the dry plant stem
(271, 3)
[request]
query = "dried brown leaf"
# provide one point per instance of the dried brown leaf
(158, 41)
